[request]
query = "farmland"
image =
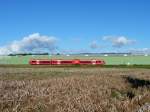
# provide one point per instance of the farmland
(110, 60)
(114, 87)
(74, 89)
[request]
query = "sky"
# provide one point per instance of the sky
(74, 25)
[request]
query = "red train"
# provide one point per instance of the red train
(65, 62)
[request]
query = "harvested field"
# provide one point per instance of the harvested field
(74, 89)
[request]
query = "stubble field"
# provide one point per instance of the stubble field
(92, 89)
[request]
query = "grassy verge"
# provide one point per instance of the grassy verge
(73, 66)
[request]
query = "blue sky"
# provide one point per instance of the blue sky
(78, 23)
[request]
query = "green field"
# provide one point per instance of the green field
(110, 60)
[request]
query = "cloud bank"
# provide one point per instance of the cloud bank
(119, 41)
(140, 50)
(32, 43)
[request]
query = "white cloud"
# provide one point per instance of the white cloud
(119, 41)
(4, 50)
(32, 43)
(140, 50)
(74, 51)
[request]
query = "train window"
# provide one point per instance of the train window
(33, 61)
(86, 62)
(45, 61)
(98, 61)
(66, 62)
